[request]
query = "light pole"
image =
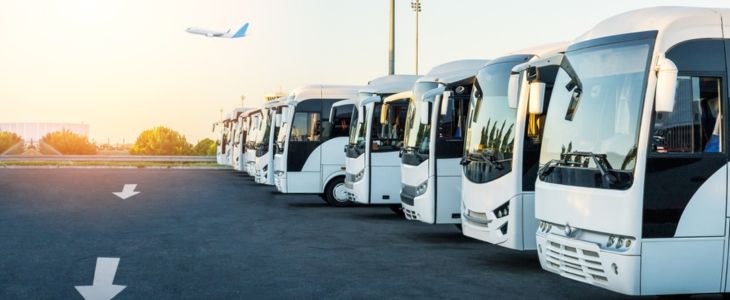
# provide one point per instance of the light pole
(391, 39)
(416, 6)
(243, 98)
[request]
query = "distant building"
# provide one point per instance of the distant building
(36, 131)
(273, 96)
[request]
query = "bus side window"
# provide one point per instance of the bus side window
(695, 124)
(305, 127)
(341, 120)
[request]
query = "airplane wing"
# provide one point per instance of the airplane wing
(227, 34)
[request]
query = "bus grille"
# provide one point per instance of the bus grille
(579, 264)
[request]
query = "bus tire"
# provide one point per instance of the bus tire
(334, 193)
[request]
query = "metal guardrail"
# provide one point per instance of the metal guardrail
(115, 158)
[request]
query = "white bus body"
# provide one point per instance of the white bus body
(239, 138)
(249, 155)
(373, 165)
(223, 148)
(501, 150)
(264, 147)
(631, 194)
(430, 170)
(307, 161)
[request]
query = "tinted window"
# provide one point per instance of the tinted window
(305, 127)
(341, 120)
(695, 124)
(388, 136)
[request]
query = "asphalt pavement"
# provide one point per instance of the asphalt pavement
(215, 234)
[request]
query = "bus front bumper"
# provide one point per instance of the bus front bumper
(587, 262)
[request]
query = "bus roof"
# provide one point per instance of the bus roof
(545, 50)
(674, 24)
(390, 84)
(348, 101)
(321, 91)
(454, 71)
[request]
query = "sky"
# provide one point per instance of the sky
(123, 66)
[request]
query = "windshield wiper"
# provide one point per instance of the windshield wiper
(548, 168)
(601, 162)
(489, 158)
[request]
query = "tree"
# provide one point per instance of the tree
(67, 142)
(205, 147)
(161, 141)
(7, 140)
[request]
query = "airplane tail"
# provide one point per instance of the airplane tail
(241, 32)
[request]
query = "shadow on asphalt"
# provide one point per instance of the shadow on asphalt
(442, 237)
(386, 215)
(514, 261)
(308, 205)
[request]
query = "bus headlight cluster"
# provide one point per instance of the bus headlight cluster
(544, 226)
(618, 242)
(422, 188)
(502, 210)
(358, 176)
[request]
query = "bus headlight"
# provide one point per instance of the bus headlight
(422, 188)
(358, 176)
(619, 242)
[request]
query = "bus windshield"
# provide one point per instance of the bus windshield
(357, 127)
(595, 109)
(417, 133)
(491, 129)
(262, 133)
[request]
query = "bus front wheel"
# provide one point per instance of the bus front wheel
(335, 193)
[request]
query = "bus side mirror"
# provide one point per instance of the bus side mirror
(447, 103)
(537, 97)
(384, 113)
(285, 113)
(666, 85)
(513, 91)
(277, 120)
(424, 113)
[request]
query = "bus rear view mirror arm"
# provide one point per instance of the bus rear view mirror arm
(666, 85)
(430, 96)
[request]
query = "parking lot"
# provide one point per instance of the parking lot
(214, 234)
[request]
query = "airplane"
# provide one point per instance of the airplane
(227, 34)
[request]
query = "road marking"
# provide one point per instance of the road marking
(127, 191)
(103, 287)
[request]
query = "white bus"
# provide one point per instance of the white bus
(434, 141)
(631, 194)
(249, 155)
(239, 138)
(223, 142)
(306, 160)
(264, 147)
(376, 134)
(501, 150)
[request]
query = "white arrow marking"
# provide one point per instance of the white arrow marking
(127, 191)
(103, 287)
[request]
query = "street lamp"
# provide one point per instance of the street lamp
(416, 6)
